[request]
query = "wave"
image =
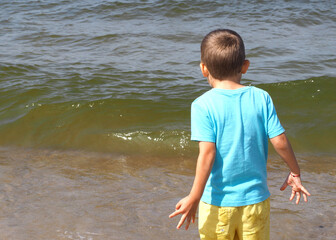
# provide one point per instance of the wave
(306, 108)
(159, 125)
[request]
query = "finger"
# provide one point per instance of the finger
(284, 185)
(292, 195)
(193, 218)
(177, 212)
(305, 198)
(298, 197)
(181, 221)
(178, 205)
(305, 191)
(188, 223)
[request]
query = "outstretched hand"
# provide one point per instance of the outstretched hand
(187, 207)
(297, 188)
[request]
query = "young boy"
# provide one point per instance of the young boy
(232, 124)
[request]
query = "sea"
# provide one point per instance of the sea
(95, 112)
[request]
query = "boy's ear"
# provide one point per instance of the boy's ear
(245, 66)
(204, 70)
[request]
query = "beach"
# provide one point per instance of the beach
(95, 112)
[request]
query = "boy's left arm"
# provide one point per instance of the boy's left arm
(188, 205)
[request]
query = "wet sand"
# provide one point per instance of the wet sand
(48, 194)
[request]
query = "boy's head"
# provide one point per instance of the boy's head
(223, 53)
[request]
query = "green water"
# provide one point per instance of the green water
(307, 111)
(157, 126)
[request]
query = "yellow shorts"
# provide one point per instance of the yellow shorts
(251, 222)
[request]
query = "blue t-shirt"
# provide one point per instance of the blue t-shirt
(240, 122)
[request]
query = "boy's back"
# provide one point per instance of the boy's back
(239, 122)
(232, 124)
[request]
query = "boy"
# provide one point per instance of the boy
(232, 124)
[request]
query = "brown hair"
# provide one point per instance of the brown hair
(223, 53)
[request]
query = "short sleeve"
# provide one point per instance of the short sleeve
(274, 127)
(201, 125)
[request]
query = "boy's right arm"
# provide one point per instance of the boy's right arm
(284, 149)
(187, 206)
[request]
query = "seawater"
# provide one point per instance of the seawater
(95, 104)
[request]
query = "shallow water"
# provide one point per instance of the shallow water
(49, 194)
(95, 111)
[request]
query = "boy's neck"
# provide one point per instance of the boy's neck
(230, 83)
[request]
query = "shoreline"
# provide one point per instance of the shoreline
(54, 195)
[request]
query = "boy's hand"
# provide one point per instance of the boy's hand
(297, 188)
(187, 207)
